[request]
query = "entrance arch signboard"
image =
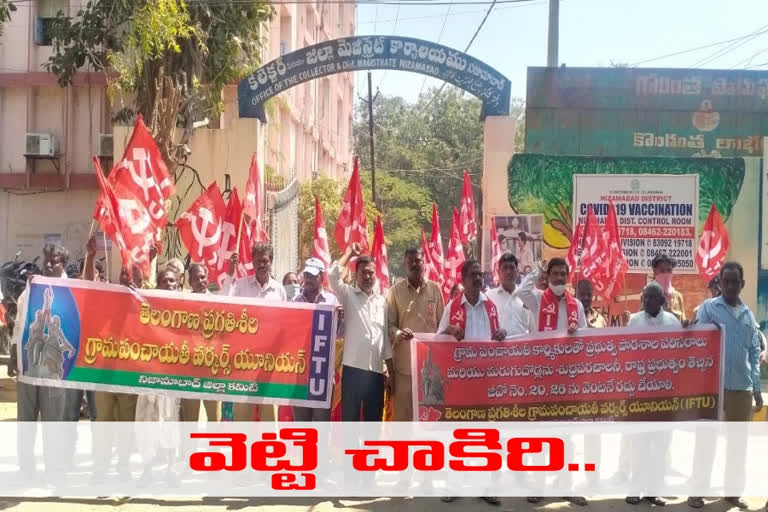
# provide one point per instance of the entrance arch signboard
(374, 52)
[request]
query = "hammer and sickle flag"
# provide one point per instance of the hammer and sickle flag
(713, 245)
(201, 227)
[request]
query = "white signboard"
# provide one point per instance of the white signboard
(657, 213)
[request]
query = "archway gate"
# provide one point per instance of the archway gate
(361, 53)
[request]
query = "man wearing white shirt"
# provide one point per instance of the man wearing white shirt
(471, 316)
(559, 304)
(653, 313)
(367, 348)
(553, 309)
(514, 318)
(261, 286)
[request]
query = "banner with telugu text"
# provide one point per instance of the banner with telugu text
(85, 335)
(615, 374)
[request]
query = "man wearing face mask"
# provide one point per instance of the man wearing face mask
(291, 285)
(663, 266)
(553, 309)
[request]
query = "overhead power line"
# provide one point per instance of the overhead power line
(731, 47)
(439, 38)
(456, 13)
(469, 45)
(697, 48)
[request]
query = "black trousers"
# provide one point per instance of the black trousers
(361, 389)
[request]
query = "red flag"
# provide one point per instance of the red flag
(379, 255)
(143, 171)
(255, 200)
(495, 252)
(594, 253)
(352, 225)
(125, 220)
(468, 225)
(455, 258)
(228, 243)
(201, 226)
(436, 247)
(429, 267)
(713, 245)
(616, 265)
(320, 248)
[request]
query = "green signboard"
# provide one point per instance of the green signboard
(646, 112)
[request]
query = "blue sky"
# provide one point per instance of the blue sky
(592, 33)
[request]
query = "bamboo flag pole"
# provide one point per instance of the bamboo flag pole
(88, 239)
(106, 254)
(239, 233)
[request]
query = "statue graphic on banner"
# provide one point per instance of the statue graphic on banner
(47, 343)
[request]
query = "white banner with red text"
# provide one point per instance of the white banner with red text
(700, 458)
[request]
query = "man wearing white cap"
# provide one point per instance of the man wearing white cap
(313, 293)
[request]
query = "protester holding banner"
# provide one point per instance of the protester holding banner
(553, 309)
(159, 407)
(663, 266)
(260, 285)
(415, 305)
(190, 408)
(366, 339)
(742, 372)
(585, 292)
(514, 318)
(652, 315)
(472, 315)
(313, 293)
(32, 400)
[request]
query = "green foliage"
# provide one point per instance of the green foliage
(330, 193)
(6, 8)
(544, 183)
(428, 144)
(202, 46)
(404, 209)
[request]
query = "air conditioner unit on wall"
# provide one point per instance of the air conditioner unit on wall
(41, 145)
(106, 147)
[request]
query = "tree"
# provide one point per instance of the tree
(6, 8)
(429, 143)
(330, 193)
(165, 59)
(404, 208)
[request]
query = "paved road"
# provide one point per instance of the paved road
(189, 504)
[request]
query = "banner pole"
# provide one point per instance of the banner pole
(88, 239)
(239, 233)
(106, 256)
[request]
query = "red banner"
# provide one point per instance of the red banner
(616, 374)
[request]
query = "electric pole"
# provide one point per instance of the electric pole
(554, 33)
(370, 133)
